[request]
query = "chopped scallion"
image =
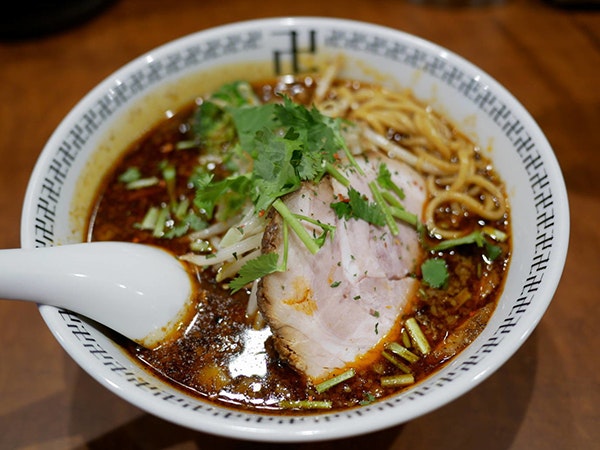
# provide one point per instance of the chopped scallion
(397, 380)
(169, 174)
(181, 209)
(403, 352)
(149, 220)
(130, 175)
(417, 336)
(327, 384)
(305, 404)
(405, 216)
(142, 183)
(399, 364)
(184, 145)
(200, 246)
(405, 338)
(161, 221)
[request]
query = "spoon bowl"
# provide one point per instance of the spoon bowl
(140, 291)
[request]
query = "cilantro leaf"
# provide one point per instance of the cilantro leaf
(492, 251)
(435, 272)
(342, 209)
(254, 269)
(212, 127)
(249, 121)
(273, 175)
(288, 144)
(228, 195)
(213, 124)
(384, 179)
(319, 137)
(362, 209)
(359, 207)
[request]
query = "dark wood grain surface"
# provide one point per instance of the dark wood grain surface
(546, 397)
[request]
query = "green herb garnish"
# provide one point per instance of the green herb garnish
(328, 384)
(477, 237)
(254, 269)
(358, 207)
(435, 272)
(305, 404)
(131, 174)
(404, 379)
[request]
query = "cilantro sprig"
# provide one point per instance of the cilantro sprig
(288, 144)
(477, 237)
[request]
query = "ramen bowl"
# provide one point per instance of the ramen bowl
(125, 105)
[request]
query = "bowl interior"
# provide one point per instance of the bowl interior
(124, 105)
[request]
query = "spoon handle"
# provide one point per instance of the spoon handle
(43, 275)
(135, 289)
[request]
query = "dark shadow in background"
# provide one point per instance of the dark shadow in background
(28, 19)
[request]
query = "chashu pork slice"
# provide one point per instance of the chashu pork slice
(329, 309)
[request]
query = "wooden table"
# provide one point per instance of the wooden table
(546, 397)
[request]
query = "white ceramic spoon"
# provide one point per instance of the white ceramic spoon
(141, 291)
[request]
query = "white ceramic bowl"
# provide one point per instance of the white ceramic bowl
(126, 103)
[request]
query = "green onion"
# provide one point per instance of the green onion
(169, 175)
(130, 175)
(417, 336)
(184, 145)
(397, 380)
(200, 246)
(403, 352)
(399, 364)
(305, 404)
(182, 208)
(149, 220)
(397, 209)
(327, 384)
(405, 338)
(142, 183)
(369, 398)
(161, 220)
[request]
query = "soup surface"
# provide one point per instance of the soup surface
(228, 354)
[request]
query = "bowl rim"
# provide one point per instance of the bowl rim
(310, 428)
